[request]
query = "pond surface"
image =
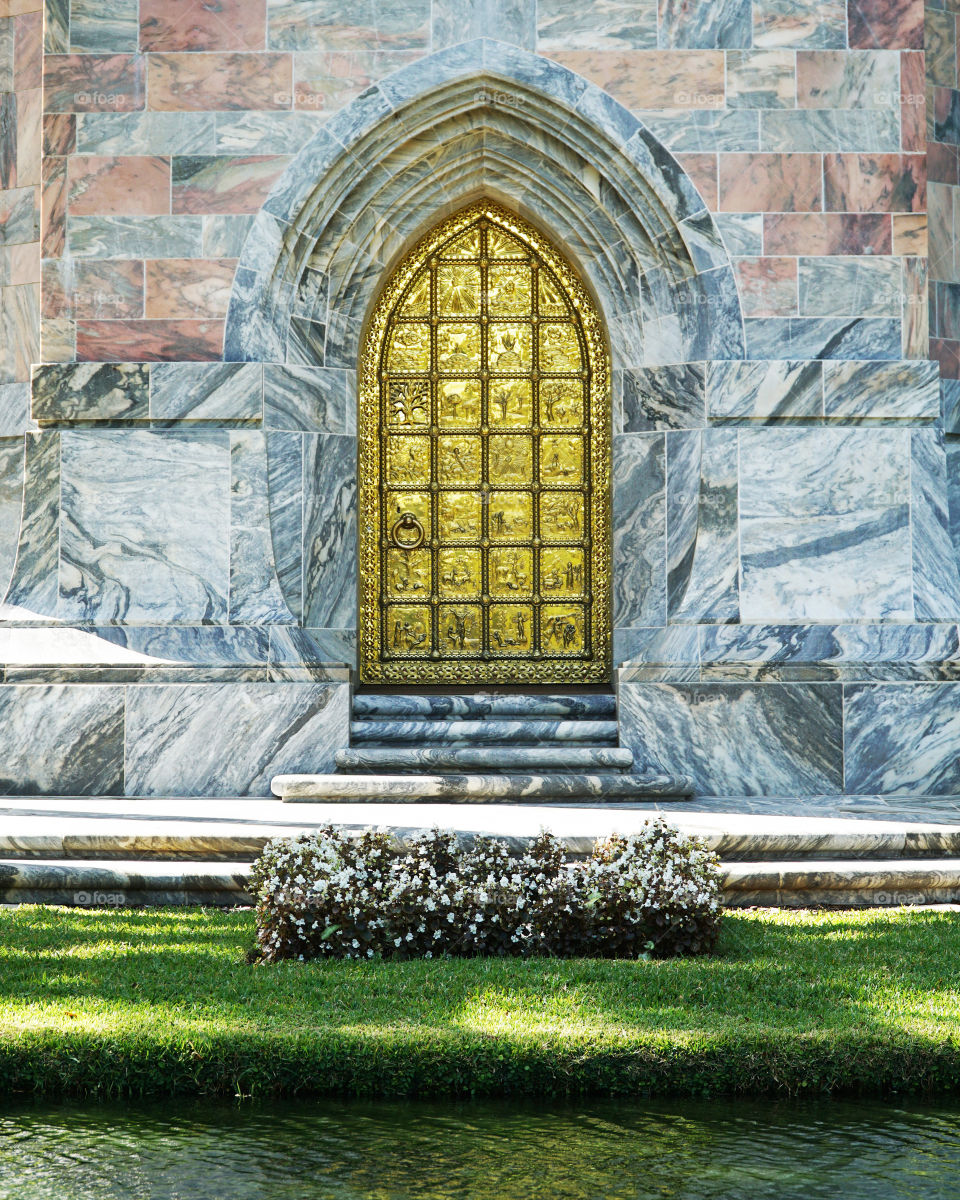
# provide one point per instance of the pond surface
(489, 1150)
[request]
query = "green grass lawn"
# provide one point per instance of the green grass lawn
(162, 1001)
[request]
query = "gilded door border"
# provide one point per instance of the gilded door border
(466, 671)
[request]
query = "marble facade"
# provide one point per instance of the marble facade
(197, 211)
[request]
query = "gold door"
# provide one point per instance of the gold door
(484, 465)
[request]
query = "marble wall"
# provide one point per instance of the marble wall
(743, 186)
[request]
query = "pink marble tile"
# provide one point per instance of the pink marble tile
(87, 288)
(149, 341)
(653, 78)
(826, 233)
(770, 182)
(189, 287)
(224, 184)
(885, 24)
(93, 82)
(875, 182)
(910, 234)
(203, 24)
(768, 286)
(59, 133)
(325, 81)
(702, 169)
(29, 121)
(219, 82)
(53, 207)
(107, 185)
(20, 264)
(947, 354)
(27, 51)
(943, 163)
(19, 343)
(13, 8)
(913, 110)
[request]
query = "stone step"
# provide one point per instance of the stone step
(94, 883)
(482, 705)
(835, 883)
(842, 883)
(491, 759)
(487, 732)
(413, 789)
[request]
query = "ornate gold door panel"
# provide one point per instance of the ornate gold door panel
(484, 465)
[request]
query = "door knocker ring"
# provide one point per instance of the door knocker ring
(407, 524)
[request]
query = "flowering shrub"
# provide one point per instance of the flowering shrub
(339, 895)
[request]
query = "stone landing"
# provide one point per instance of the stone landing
(484, 748)
(107, 852)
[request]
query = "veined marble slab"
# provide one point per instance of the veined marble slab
(33, 587)
(61, 740)
(404, 759)
(472, 788)
(145, 530)
(737, 739)
(522, 732)
(230, 739)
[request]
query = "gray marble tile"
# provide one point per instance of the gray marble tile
(15, 409)
(705, 24)
(6, 56)
(206, 391)
(161, 645)
(669, 646)
(854, 286)
(902, 738)
(134, 237)
(656, 398)
(293, 646)
(510, 21)
(145, 531)
(737, 739)
(702, 566)
(710, 316)
(638, 529)
(264, 132)
(98, 28)
(223, 236)
(800, 24)
(843, 652)
(742, 233)
(825, 525)
(312, 399)
(255, 594)
(230, 739)
(603, 25)
(708, 130)
(822, 337)
(936, 585)
(90, 392)
(19, 217)
(764, 391)
(285, 481)
(329, 530)
(908, 390)
(146, 133)
(761, 79)
(33, 587)
(56, 26)
(61, 740)
(11, 504)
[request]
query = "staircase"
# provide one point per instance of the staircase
(484, 748)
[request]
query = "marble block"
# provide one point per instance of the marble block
(206, 391)
(230, 739)
(737, 739)
(825, 525)
(61, 740)
(145, 526)
(902, 738)
(11, 499)
(639, 526)
(89, 392)
(329, 530)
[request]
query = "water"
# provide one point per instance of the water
(491, 1150)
